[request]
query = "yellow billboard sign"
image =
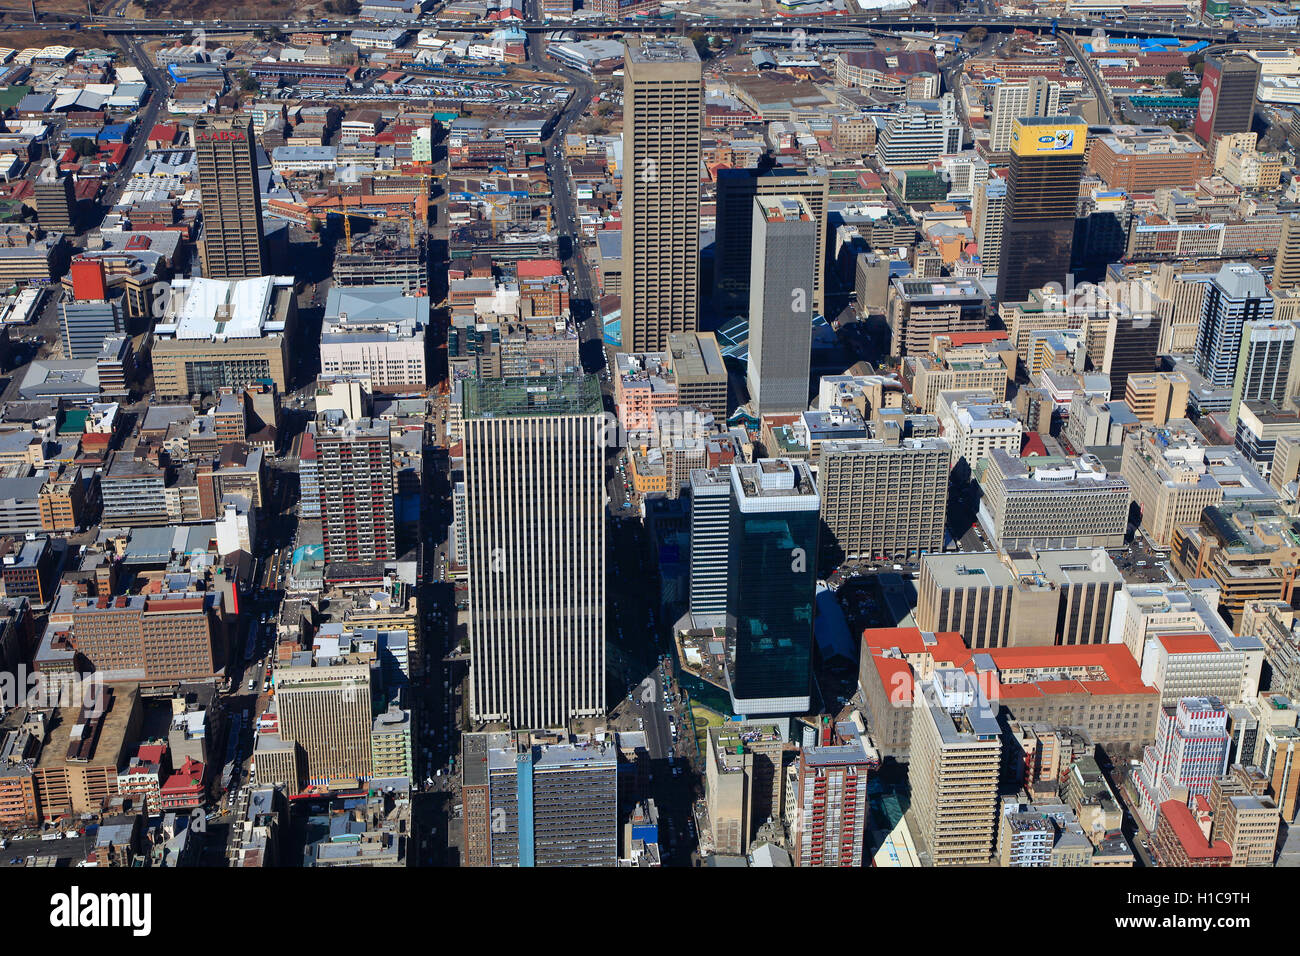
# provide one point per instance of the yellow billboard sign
(1048, 139)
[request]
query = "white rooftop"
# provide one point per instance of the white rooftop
(222, 308)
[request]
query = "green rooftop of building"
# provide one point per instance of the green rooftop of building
(74, 421)
(576, 394)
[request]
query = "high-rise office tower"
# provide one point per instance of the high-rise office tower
(1135, 348)
(1012, 100)
(1227, 103)
(534, 803)
(828, 797)
(1236, 295)
(55, 200)
(989, 212)
(1042, 194)
(710, 538)
(354, 477)
(663, 102)
(780, 303)
(86, 325)
(885, 496)
(1266, 364)
(953, 766)
(233, 247)
(772, 583)
(735, 218)
(1286, 264)
(326, 710)
(534, 461)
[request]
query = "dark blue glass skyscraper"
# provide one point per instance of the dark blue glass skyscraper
(772, 583)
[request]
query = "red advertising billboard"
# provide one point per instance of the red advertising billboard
(1211, 80)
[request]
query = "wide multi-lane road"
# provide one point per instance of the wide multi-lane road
(535, 23)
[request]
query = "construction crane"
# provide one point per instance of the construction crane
(497, 206)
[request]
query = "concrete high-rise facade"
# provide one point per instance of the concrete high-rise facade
(1227, 105)
(1047, 161)
(710, 536)
(780, 302)
(1019, 599)
(743, 777)
(326, 710)
(233, 246)
(539, 800)
(990, 209)
(354, 475)
(1050, 502)
(1266, 365)
(953, 766)
(86, 325)
(919, 132)
(55, 200)
(1157, 397)
(918, 309)
(534, 460)
(1286, 263)
(1035, 96)
(663, 102)
(1236, 295)
(883, 497)
(735, 219)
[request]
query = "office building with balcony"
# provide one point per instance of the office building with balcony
(953, 765)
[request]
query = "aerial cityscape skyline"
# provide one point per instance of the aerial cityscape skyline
(696, 434)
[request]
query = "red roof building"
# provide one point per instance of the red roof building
(538, 268)
(1083, 685)
(184, 788)
(1179, 841)
(162, 136)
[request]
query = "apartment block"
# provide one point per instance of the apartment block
(827, 802)
(954, 759)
